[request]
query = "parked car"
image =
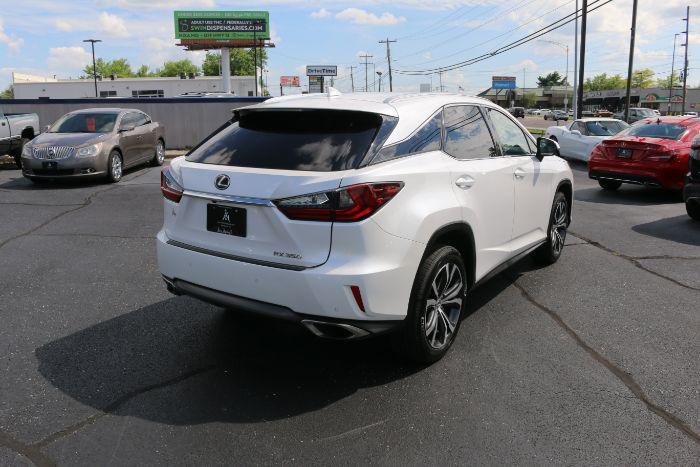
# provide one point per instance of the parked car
(691, 114)
(556, 115)
(603, 113)
(656, 112)
(517, 112)
(691, 190)
(207, 94)
(532, 111)
(98, 142)
(653, 152)
(15, 131)
(636, 114)
(361, 215)
(577, 140)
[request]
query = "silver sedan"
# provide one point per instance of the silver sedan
(100, 142)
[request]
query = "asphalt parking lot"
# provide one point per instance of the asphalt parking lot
(591, 361)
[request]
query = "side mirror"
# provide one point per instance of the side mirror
(46, 128)
(546, 147)
(576, 132)
(126, 128)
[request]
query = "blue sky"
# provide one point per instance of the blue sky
(44, 37)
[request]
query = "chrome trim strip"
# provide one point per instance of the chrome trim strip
(241, 259)
(355, 332)
(11, 137)
(229, 198)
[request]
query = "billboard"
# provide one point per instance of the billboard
(321, 70)
(315, 84)
(222, 25)
(291, 81)
(503, 82)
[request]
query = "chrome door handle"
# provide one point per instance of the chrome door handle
(465, 181)
(519, 174)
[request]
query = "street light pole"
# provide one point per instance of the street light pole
(575, 99)
(673, 65)
(633, 31)
(685, 61)
(94, 69)
(379, 79)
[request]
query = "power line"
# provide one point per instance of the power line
(366, 57)
(523, 40)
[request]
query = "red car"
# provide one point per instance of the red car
(652, 152)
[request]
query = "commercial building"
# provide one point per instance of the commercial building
(653, 98)
(551, 97)
(38, 87)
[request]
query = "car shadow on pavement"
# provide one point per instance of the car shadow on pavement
(181, 361)
(629, 195)
(679, 229)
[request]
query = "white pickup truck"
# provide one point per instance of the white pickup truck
(15, 131)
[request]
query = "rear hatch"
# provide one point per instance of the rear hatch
(632, 148)
(268, 155)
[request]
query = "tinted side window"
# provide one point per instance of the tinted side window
(466, 134)
(128, 119)
(141, 119)
(512, 139)
(427, 138)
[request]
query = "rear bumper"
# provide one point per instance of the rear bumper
(330, 328)
(691, 190)
(385, 280)
(666, 175)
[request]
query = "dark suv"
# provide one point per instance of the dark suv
(517, 112)
(691, 191)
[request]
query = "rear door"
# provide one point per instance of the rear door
(128, 139)
(266, 156)
(532, 180)
(145, 136)
(482, 180)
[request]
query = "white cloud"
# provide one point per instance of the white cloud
(358, 16)
(112, 25)
(12, 42)
(68, 59)
(63, 25)
(322, 13)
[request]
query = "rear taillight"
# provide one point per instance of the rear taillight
(598, 152)
(170, 188)
(665, 156)
(348, 204)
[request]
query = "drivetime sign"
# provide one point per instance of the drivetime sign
(321, 70)
(222, 25)
(503, 82)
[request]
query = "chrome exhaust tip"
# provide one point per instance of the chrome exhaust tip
(329, 330)
(170, 286)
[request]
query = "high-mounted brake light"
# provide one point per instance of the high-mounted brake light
(169, 187)
(349, 204)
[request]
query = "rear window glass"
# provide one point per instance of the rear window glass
(605, 128)
(655, 130)
(315, 140)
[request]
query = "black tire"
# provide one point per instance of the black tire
(609, 185)
(158, 158)
(551, 250)
(415, 341)
(692, 207)
(114, 174)
(18, 161)
(17, 153)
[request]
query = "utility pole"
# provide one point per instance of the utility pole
(352, 79)
(440, 75)
(582, 59)
(575, 97)
(388, 60)
(366, 57)
(685, 63)
(255, 57)
(631, 62)
(94, 68)
(673, 64)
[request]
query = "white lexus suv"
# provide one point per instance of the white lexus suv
(357, 214)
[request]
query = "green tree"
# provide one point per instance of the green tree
(7, 93)
(529, 99)
(669, 81)
(603, 82)
(119, 67)
(144, 72)
(241, 62)
(551, 79)
(643, 78)
(174, 68)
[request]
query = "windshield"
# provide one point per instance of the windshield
(84, 123)
(655, 130)
(318, 140)
(646, 112)
(605, 128)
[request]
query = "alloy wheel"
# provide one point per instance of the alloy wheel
(558, 231)
(160, 152)
(444, 305)
(116, 167)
